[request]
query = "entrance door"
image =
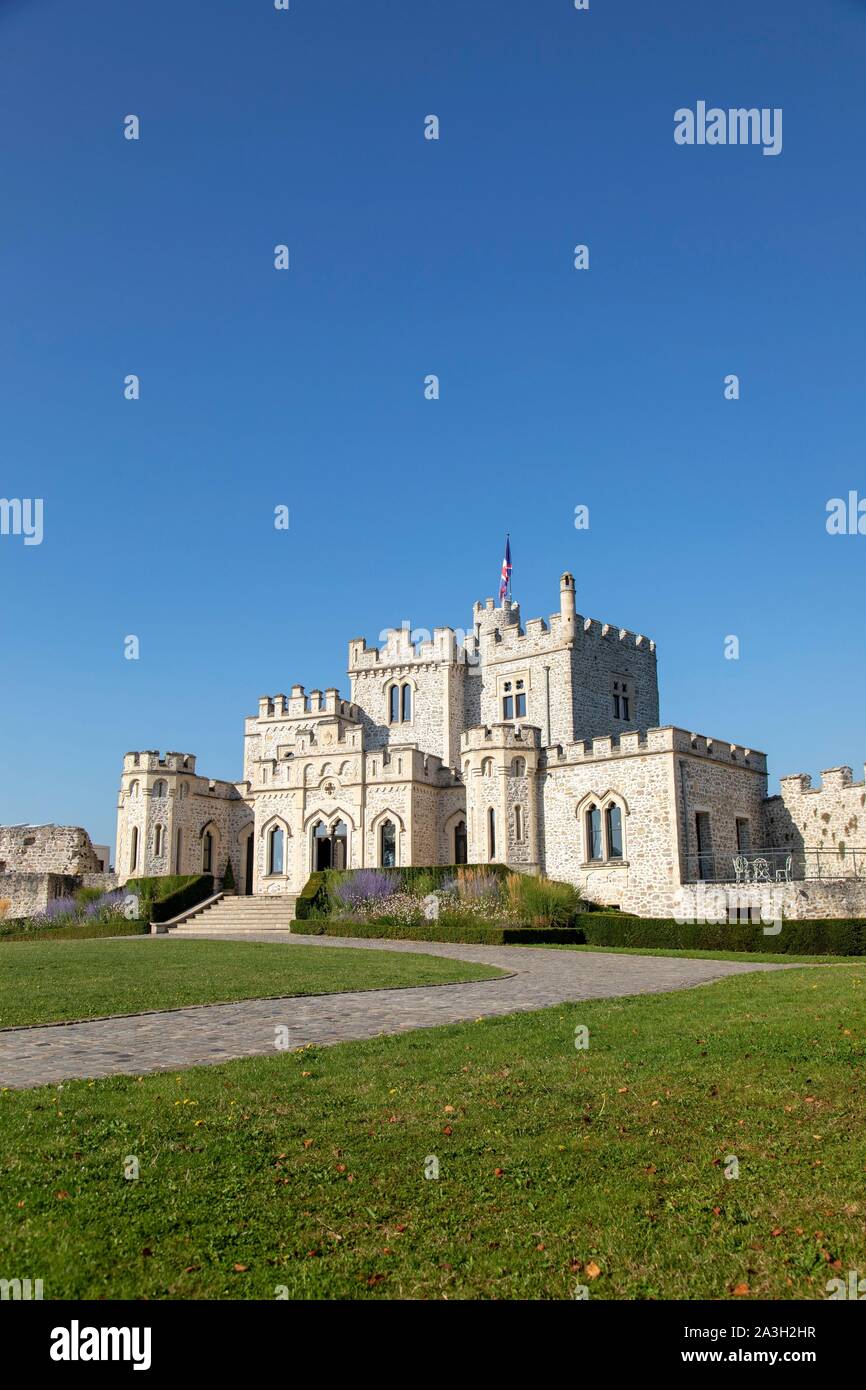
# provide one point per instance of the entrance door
(339, 838)
(248, 872)
(702, 836)
(321, 847)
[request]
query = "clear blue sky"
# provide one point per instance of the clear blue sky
(411, 257)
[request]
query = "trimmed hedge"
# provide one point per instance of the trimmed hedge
(164, 898)
(82, 931)
(476, 933)
(815, 938)
(314, 899)
(825, 937)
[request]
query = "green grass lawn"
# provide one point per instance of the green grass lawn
(46, 981)
(688, 953)
(558, 1167)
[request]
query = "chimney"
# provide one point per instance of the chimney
(566, 607)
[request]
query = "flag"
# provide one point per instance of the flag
(505, 581)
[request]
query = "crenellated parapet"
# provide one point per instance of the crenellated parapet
(301, 704)
(661, 740)
(399, 648)
(515, 737)
(151, 760)
(832, 779)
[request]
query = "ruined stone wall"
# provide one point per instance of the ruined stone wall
(53, 849)
(27, 895)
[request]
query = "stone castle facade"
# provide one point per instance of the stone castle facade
(537, 745)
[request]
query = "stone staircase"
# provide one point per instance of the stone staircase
(237, 916)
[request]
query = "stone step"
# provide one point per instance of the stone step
(240, 916)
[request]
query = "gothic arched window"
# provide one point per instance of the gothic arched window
(594, 848)
(613, 816)
(275, 850)
(406, 703)
(394, 705)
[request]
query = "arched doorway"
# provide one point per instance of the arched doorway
(460, 848)
(388, 844)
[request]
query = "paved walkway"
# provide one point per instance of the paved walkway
(176, 1038)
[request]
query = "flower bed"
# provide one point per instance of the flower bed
(455, 898)
(86, 913)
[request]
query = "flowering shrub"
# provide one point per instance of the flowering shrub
(363, 888)
(106, 905)
(84, 907)
(404, 909)
(59, 907)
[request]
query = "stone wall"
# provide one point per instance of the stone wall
(830, 817)
(801, 901)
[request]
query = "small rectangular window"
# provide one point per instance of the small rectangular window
(521, 706)
(616, 707)
(508, 707)
(625, 707)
